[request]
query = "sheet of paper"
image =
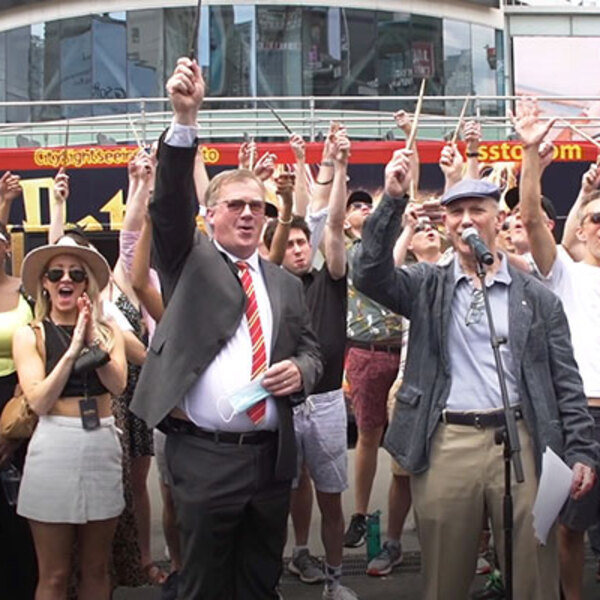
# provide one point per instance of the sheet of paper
(553, 491)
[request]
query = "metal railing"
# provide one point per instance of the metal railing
(141, 120)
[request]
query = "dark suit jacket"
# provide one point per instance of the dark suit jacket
(205, 303)
(550, 388)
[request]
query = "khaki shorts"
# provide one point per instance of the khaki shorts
(391, 404)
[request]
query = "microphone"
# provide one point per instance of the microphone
(482, 253)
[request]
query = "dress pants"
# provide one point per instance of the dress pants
(466, 474)
(231, 515)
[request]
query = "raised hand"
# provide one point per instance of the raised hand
(398, 174)
(451, 163)
(591, 179)
(529, 127)
(298, 147)
(546, 153)
(285, 187)
(185, 89)
(246, 155)
(341, 145)
(329, 145)
(265, 166)
(61, 186)
(472, 135)
(10, 186)
(78, 339)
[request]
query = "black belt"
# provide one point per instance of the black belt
(481, 420)
(377, 347)
(174, 425)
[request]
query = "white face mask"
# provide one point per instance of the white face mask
(242, 399)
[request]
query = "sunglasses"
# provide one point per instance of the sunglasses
(257, 207)
(423, 226)
(594, 218)
(75, 275)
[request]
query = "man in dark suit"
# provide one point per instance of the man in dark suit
(230, 319)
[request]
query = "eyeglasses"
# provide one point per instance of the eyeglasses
(257, 207)
(423, 226)
(475, 310)
(594, 218)
(75, 275)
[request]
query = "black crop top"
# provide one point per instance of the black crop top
(56, 346)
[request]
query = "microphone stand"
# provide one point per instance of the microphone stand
(507, 435)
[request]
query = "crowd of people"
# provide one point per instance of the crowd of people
(240, 310)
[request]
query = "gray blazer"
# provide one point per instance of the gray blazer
(205, 303)
(550, 388)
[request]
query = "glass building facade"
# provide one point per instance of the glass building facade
(248, 51)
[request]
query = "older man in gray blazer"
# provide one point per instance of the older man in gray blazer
(231, 320)
(449, 404)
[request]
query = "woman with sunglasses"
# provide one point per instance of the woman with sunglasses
(18, 572)
(71, 486)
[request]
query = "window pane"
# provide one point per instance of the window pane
(231, 43)
(144, 53)
(109, 63)
(483, 42)
(457, 64)
(322, 51)
(278, 51)
(17, 73)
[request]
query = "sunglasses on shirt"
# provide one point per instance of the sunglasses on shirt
(594, 218)
(75, 275)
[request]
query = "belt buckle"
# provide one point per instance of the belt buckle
(241, 438)
(444, 419)
(477, 421)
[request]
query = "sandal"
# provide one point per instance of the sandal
(154, 574)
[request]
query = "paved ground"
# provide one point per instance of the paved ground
(402, 584)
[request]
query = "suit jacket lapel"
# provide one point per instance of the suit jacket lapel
(274, 292)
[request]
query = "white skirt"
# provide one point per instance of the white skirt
(72, 475)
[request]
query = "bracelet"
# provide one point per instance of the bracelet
(288, 222)
(324, 182)
(473, 154)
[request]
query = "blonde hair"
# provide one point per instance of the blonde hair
(43, 304)
(227, 177)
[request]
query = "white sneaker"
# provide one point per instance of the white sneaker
(339, 593)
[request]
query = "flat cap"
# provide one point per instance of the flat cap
(471, 188)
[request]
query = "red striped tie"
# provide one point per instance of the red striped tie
(259, 353)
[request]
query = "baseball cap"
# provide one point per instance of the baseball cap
(359, 196)
(512, 198)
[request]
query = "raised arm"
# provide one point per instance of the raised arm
(404, 123)
(57, 206)
(409, 222)
(590, 182)
(301, 194)
(285, 190)
(324, 179)
(335, 249)
(532, 132)
(174, 206)
(149, 295)
(10, 188)
(451, 163)
(201, 179)
(472, 135)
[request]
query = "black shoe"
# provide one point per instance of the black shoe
(357, 531)
(169, 587)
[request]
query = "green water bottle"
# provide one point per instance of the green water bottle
(373, 535)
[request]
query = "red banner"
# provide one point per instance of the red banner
(367, 152)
